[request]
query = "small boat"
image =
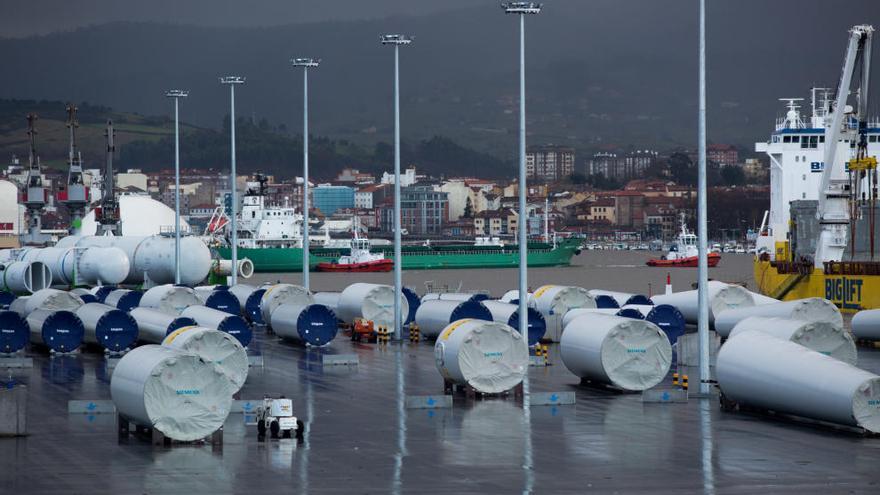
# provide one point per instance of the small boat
(683, 253)
(360, 259)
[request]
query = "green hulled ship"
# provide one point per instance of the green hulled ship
(289, 259)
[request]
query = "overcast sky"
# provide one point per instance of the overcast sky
(28, 17)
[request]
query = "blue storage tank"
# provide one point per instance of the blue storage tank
(314, 325)
(14, 333)
(6, 299)
(414, 300)
(669, 319)
(59, 330)
(223, 300)
(124, 299)
(252, 307)
(108, 327)
(102, 291)
(508, 314)
(631, 313)
(604, 301)
(434, 315)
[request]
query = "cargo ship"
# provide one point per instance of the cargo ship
(819, 238)
(271, 237)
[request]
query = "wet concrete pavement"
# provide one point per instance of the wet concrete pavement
(361, 439)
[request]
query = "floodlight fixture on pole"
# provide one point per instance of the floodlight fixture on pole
(306, 64)
(177, 94)
(232, 81)
(397, 40)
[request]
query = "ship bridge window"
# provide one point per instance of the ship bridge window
(786, 139)
(821, 139)
(872, 138)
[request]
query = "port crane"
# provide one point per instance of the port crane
(841, 194)
(35, 191)
(107, 213)
(75, 199)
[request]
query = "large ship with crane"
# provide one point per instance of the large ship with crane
(819, 238)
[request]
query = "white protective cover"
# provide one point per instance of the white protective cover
(179, 394)
(722, 297)
(553, 301)
(242, 292)
(810, 309)
(279, 294)
(487, 355)
(821, 336)
(629, 354)
(329, 299)
(865, 324)
(213, 346)
(52, 299)
(170, 299)
(763, 371)
(152, 324)
(577, 312)
(448, 296)
(372, 302)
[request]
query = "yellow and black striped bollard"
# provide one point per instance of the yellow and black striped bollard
(414, 333)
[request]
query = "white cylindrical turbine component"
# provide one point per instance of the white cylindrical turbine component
(865, 324)
(212, 346)
(108, 327)
(223, 268)
(513, 295)
(329, 299)
(434, 315)
(811, 309)
(24, 277)
(371, 302)
(762, 371)
(821, 336)
(279, 294)
(553, 301)
(171, 299)
(124, 299)
(178, 394)
(722, 297)
(102, 266)
(626, 353)
(313, 325)
(242, 292)
(508, 313)
(487, 355)
(220, 320)
(52, 299)
(154, 325)
(578, 312)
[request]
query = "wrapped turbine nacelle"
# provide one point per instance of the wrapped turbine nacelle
(153, 257)
(24, 277)
(85, 266)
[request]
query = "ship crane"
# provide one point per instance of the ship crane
(840, 192)
(76, 200)
(35, 192)
(107, 214)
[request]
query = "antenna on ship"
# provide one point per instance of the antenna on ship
(793, 116)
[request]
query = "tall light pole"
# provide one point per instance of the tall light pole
(702, 227)
(232, 81)
(305, 63)
(522, 9)
(177, 94)
(396, 40)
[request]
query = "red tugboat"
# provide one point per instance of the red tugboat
(684, 252)
(360, 260)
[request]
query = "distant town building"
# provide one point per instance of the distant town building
(354, 176)
(549, 163)
(755, 169)
(328, 199)
(722, 154)
(372, 195)
(407, 178)
(422, 210)
(621, 167)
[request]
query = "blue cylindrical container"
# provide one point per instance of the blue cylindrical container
(14, 332)
(102, 291)
(314, 324)
(669, 319)
(219, 320)
(631, 313)
(252, 307)
(88, 298)
(508, 314)
(124, 299)
(59, 330)
(108, 327)
(435, 315)
(223, 300)
(604, 301)
(414, 300)
(6, 299)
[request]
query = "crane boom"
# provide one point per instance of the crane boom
(835, 193)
